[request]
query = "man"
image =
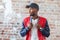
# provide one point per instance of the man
(34, 27)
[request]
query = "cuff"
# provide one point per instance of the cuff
(41, 29)
(27, 28)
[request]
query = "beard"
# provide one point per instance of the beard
(33, 14)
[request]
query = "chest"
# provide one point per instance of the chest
(34, 22)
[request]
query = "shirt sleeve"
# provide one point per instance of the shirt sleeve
(46, 31)
(24, 30)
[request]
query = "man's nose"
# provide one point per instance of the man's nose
(32, 10)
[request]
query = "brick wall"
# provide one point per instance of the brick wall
(10, 21)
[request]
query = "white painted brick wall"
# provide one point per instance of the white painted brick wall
(49, 9)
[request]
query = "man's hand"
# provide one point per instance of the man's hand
(30, 25)
(38, 26)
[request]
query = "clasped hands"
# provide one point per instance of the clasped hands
(30, 25)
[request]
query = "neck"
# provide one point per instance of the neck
(34, 17)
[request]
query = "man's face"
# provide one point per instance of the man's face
(33, 11)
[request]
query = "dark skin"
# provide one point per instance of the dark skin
(33, 12)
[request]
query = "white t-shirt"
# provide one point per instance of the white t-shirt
(34, 35)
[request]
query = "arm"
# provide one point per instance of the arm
(45, 31)
(24, 30)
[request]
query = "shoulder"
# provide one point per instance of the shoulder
(43, 18)
(26, 18)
